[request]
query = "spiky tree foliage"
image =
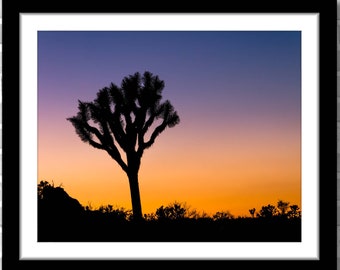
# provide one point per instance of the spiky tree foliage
(120, 118)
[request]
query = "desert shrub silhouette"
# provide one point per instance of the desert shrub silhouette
(58, 213)
(63, 218)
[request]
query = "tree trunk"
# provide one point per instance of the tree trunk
(135, 196)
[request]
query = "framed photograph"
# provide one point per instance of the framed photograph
(170, 136)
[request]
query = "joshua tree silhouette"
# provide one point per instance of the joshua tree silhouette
(121, 116)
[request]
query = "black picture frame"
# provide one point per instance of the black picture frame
(12, 144)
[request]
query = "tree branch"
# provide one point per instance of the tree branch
(153, 136)
(111, 149)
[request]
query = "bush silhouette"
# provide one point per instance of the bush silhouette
(63, 218)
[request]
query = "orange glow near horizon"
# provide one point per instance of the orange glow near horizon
(208, 174)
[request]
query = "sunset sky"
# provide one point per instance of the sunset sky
(238, 96)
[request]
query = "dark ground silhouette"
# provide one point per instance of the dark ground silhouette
(63, 219)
